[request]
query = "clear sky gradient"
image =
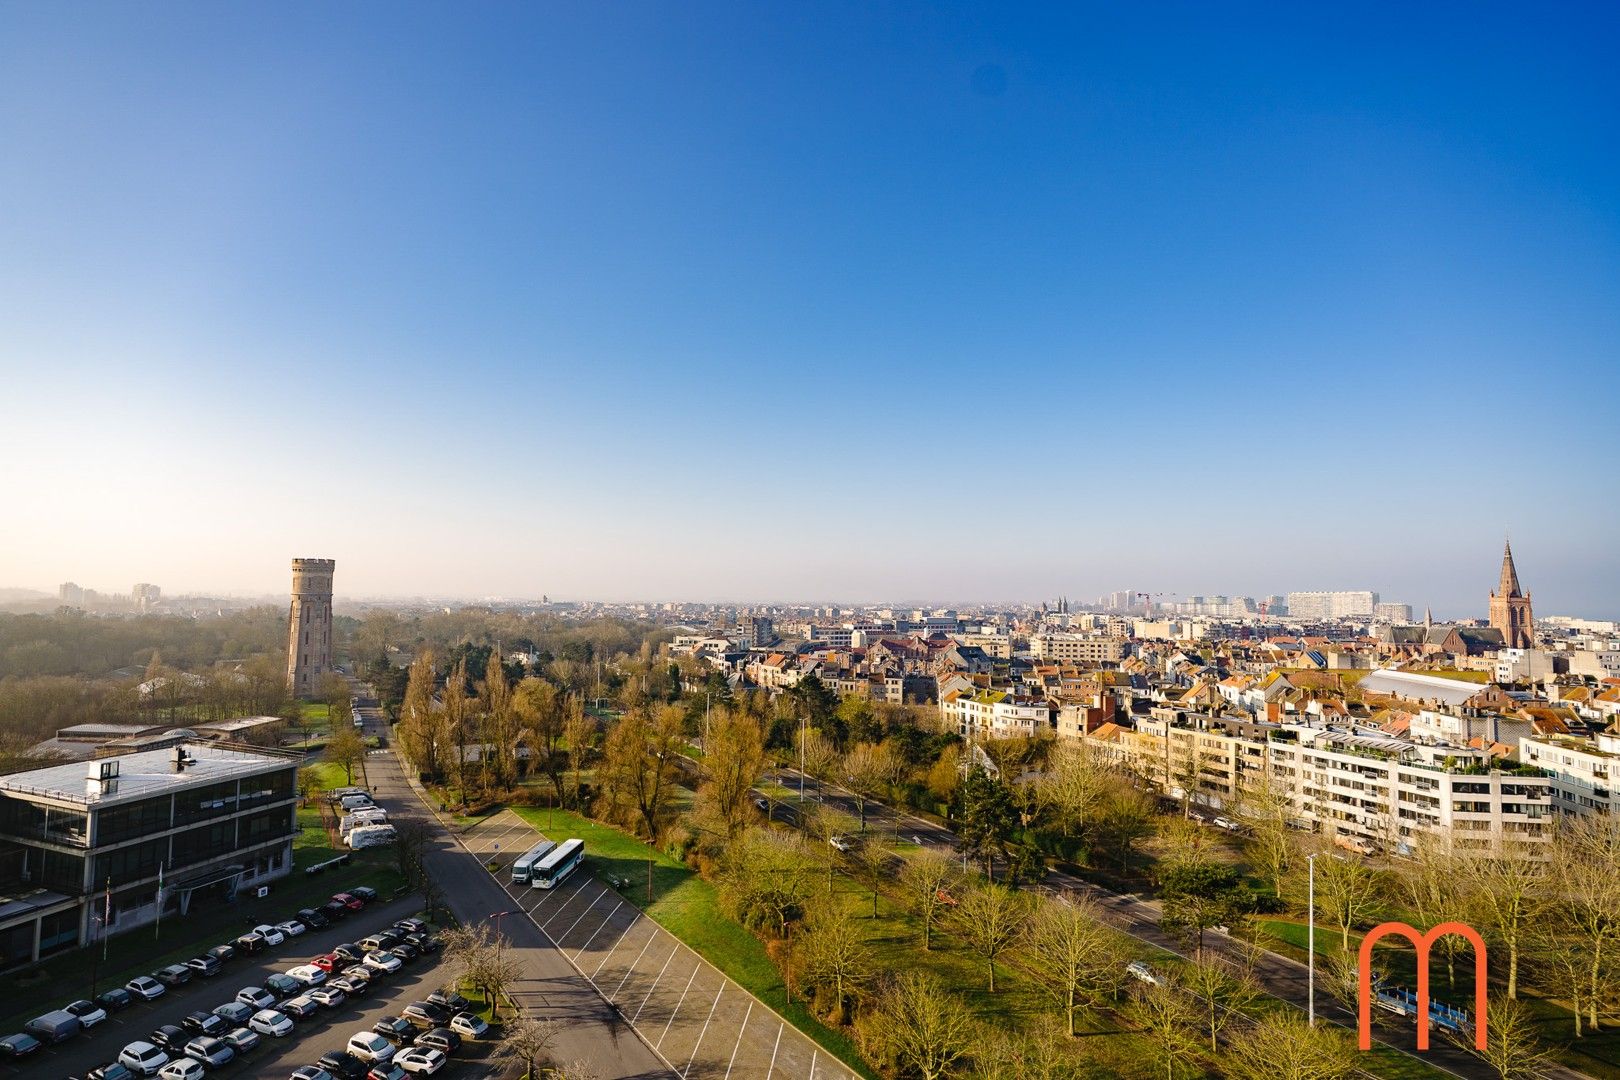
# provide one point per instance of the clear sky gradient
(840, 301)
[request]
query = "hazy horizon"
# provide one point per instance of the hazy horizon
(847, 301)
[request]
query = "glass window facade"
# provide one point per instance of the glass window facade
(31, 820)
(201, 804)
(129, 863)
(118, 823)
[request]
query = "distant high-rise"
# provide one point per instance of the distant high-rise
(1510, 608)
(1345, 604)
(70, 594)
(144, 593)
(309, 626)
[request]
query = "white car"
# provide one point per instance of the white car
(292, 927)
(256, 996)
(361, 972)
(329, 997)
(271, 935)
(142, 1058)
(469, 1026)
(272, 1023)
(420, 1059)
(308, 974)
(842, 843)
(146, 988)
(1140, 971)
(382, 960)
(371, 1048)
(89, 1013)
(182, 1068)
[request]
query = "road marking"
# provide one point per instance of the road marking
(705, 1030)
(555, 915)
(598, 930)
(678, 1002)
(589, 908)
(608, 955)
(633, 964)
(741, 1031)
(656, 980)
(815, 1056)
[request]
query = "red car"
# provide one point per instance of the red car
(348, 900)
(330, 962)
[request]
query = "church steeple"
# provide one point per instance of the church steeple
(1509, 585)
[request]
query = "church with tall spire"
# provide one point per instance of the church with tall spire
(1510, 607)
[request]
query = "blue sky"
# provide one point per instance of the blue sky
(813, 301)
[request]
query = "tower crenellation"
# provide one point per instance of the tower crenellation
(309, 626)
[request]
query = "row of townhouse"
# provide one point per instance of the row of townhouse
(983, 713)
(1363, 790)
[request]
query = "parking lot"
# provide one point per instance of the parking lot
(701, 1023)
(328, 1029)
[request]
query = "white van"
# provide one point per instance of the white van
(368, 836)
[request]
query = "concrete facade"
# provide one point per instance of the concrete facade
(309, 626)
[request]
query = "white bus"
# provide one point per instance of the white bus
(371, 836)
(526, 861)
(557, 865)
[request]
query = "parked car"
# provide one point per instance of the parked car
(271, 1022)
(350, 985)
(377, 942)
(842, 843)
(350, 951)
(349, 900)
(469, 1025)
(439, 1038)
(115, 1000)
(410, 926)
(19, 1045)
(282, 985)
(291, 927)
(308, 974)
(234, 1013)
(256, 996)
(204, 1023)
(365, 893)
(334, 910)
(315, 920)
(361, 972)
(452, 1001)
(1139, 970)
(404, 950)
(395, 1029)
(420, 1061)
(371, 1047)
(53, 1027)
(142, 1058)
(181, 1068)
(310, 1072)
(205, 967)
(272, 936)
(113, 1070)
(212, 1053)
(426, 1014)
(249, 943)
(389, 1071)
(331, 962)
(173, 976)
(241, 1039)
(301, 1007)
(89, 1013)
(329, 997)
(383, 960)
(146, 988)
(425, 942)
(223, 953)
(170, 1037)
(343, 1065)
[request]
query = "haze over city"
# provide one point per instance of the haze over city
(852, 302)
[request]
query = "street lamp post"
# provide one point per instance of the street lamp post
(494, 1005)
(1310, 939)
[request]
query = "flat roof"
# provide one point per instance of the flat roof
(143, 774)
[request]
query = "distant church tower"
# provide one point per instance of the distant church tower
(1510, 608)
(309, 636)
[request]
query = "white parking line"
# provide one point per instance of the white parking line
(555, 915)
(774, 1049)
(598, 930)
(705, 1030)
(607, 955)
(658, 979)
(588, 909)
(633, 964)
(678, 1003)
(740, 1032)
(815, 1055)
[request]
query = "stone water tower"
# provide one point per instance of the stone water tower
(309, 636)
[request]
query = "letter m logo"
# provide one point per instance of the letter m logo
(1422, 943)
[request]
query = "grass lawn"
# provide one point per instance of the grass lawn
(686, 906)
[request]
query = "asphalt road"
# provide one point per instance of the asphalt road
(591, 1030)
(1281, 976)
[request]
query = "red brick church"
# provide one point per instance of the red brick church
(1510, 608)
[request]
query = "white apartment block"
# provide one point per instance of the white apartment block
(1582, 771)
(1332, 605)
(1077, 649)
(993, 714)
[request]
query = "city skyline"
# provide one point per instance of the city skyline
(642, 302)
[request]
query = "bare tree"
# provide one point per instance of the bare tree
(834, 959)
(1509, 893)
(579, 732)
(1166, 1017)
(526, 1041)
(639, 767)
(989, 919)
(868, 769)
(346, 749)
(921, 1026)
(1348, 892)
(1072, 954)
(1221, 991)
(767, 877)
(1585, 880)
(925, 879)
(1282, 1046)
(1512, 1049)
(734, 759)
